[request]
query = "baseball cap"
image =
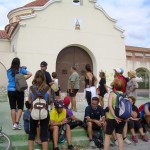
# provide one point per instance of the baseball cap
(43, 64)
(122, 70)
(58, 103)
(66, 101)
(118, 70)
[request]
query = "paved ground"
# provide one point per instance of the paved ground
(5, 122)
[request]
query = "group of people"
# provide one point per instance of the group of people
(60, 117)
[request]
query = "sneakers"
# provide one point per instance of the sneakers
(16, 127)
(116, 142)
(70, 147)
(127, 141)
(144, 138)
(134, 138)
(92, 145)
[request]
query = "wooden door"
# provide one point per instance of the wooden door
(68, 57)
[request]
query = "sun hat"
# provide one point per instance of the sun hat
(132, 74)
(66, 101)
(122, 70)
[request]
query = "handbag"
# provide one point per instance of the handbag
(54, 87)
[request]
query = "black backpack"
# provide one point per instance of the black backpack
(98, 139)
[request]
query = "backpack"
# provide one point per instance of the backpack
(98, 139)
(123, 108)
(21, 83)
(62, 133)
(39, 106)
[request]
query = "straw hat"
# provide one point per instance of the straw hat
(132, 74)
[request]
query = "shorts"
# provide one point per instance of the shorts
(16, 99)
(43, 129)
(72, 94)
(134, 124)
(113, 125)
(94, 126)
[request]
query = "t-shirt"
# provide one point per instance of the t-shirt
(26, 120)
(134, 108)
(11, 80)
(101, 85)
(56, 82)
(48, 78)
(74, 78)
(46, 96)
(143, 112)
(94, 114)
(57, 117)
(131, 86)
(123, 79)
(68, 112)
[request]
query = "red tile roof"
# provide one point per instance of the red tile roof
(137, 49)
(3, 34)
(36, 3)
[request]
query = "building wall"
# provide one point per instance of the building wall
(15, 16)
(4, 45)
(53, 28)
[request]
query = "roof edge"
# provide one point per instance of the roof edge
(35, 8)
(105, 13)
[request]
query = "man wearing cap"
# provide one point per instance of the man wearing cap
(119, 75)
(43, 66)
(57, 120)
(73, 121)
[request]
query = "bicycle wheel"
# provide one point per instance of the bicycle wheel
(5, 143)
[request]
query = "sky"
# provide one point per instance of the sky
(133, 16)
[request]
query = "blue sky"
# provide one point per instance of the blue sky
(132, 15)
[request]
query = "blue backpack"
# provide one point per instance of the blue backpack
(123, 108)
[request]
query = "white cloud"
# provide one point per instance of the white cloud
(133, 16)
(6, 6)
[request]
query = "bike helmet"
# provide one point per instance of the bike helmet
(58, 103)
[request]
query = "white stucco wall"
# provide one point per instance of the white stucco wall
(53, 28)
(4, 45)
(44, 36)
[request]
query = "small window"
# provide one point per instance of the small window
(76, 2)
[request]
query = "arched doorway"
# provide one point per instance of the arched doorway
(143, 89)
(68, 57)
(3, 83)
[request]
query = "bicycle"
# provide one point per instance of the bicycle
(5, 142)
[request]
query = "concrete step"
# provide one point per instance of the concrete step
(79, 139)
(76, 141)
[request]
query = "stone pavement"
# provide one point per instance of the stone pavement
(79, 136)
